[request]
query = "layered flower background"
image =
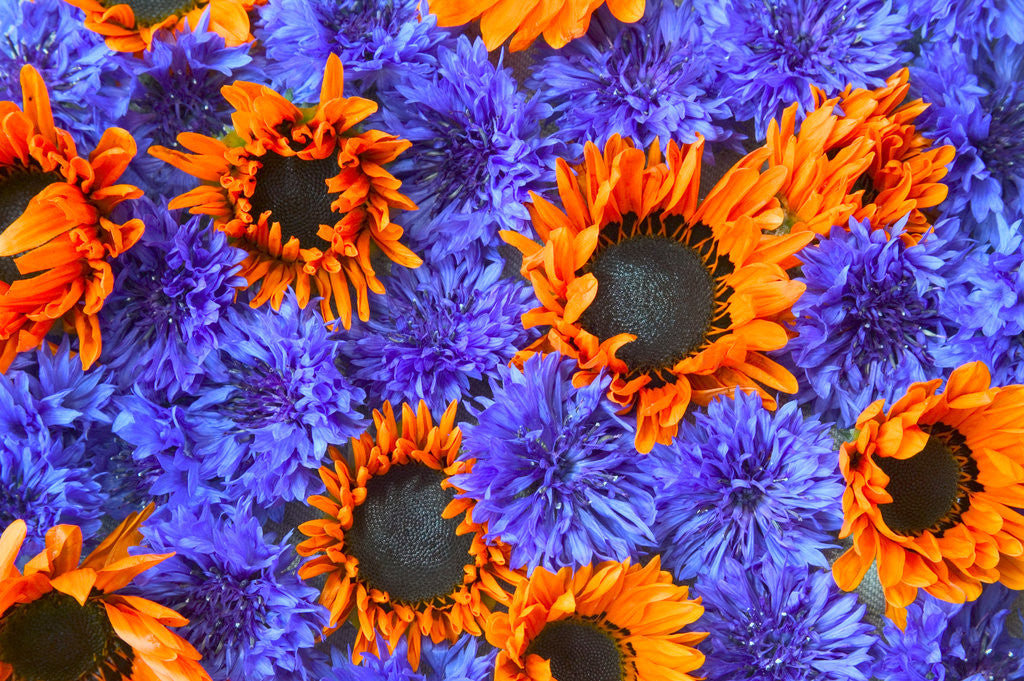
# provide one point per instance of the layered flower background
(520, 340)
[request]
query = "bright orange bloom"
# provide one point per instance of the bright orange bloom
(56, 234)
(130, 26)
(63, 619)
(613, 620)
(300, 193)
(393, 546)
(559, 20)
(932, 489)
(679, 301)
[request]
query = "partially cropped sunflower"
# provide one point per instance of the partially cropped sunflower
(932, 491)
(399, 550)
(56, 230)
(559, 20)
(130, 26)
(606, 622)
(61, 620)
(301, 193)
(679, 301)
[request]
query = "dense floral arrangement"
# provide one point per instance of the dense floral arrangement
(533, 340)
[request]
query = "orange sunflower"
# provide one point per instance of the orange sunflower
(559, 20)
(610, 622)
(62, 619)
(679, 301)
(300, 193)
(905, 172)
(56, 233)
(393, 545)
(130, 26)
(932, 491)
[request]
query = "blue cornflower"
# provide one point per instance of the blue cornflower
(173, 289)
(655, 78)
(744, 483)
(477, 150)
(259, 421)
(772, 51)
(953, 642)
(75, 64)
(175, 87)
(951, 20)
(464, 660)
(448, 325)
(43, 483)
(773, 623)
(378, 42)
(250, 615)
(977, 105)
(869, 322)
(985, 296)
(556, 474)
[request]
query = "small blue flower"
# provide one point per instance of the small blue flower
(985, 296)
(378, 41)
(772, 51)
(477, 150)
(771, 623)
(953, 642)
(744, 483)
(75, 64)
(175, 87)
(655, 78)
(868, 324)
(556, 475)
(464, 660)
(173, 289)
(976, 104)
(250, 615)
(944, 21)
(448, 326)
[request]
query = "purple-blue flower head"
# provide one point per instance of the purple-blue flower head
(953, 20)
(743, 483)
(953, 642)
(378, 41)
(985, 296)
(652, 79)
(173, 288)
(449, 324)
(556, 475)
(477, 150)
(250, 616)
(869, 322)
(468, 659)
(977, 105)
(80, 75)
(175, 87)
(772, 51)
(772, 623)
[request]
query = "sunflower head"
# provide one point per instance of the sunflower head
(131, 26)
(678, 299)
(56, 229)
(597, 624)
(61, 604)
(305, 196)
(398, 548)
(932, 491)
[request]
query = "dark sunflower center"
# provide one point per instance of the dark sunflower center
(54, 638)
(295, 192)
(931, 489)
(16, 190)
(578, 651)
(405, 548)
(657, 289)
(149, 12)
